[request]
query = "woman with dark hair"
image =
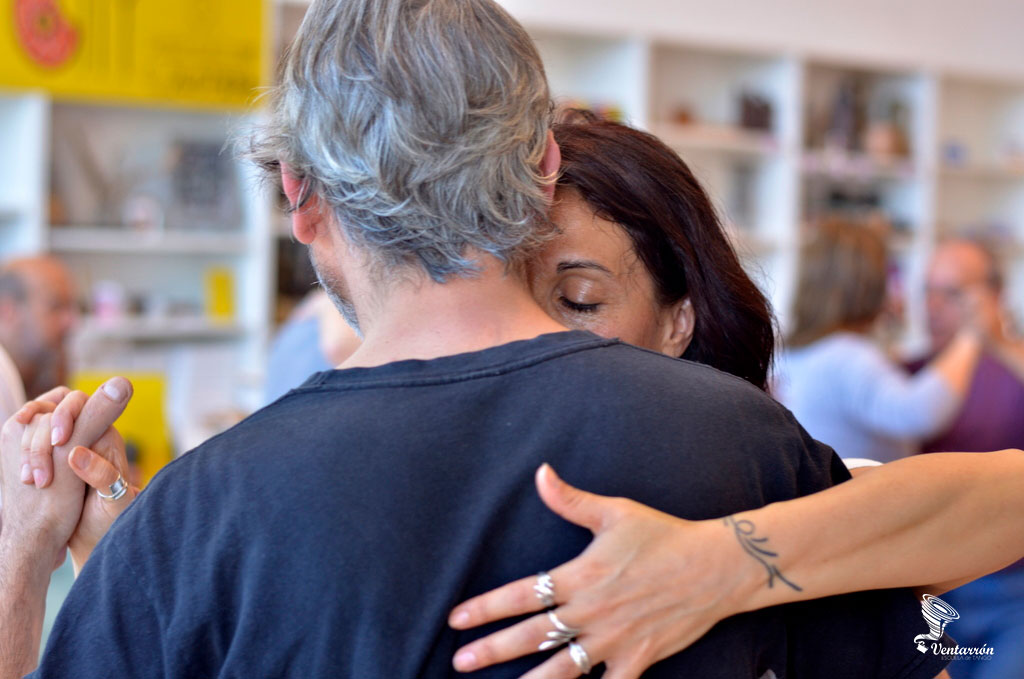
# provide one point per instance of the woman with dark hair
(643, 256)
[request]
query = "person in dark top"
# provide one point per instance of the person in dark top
(330, 533)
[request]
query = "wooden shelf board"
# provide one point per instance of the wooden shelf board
(718, 138)
(123, 241)
(169, 329)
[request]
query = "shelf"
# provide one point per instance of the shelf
(167, 329)
(856, 166)
(119, 240)
(983, 172)
(718, 138)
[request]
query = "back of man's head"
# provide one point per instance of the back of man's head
(421, 124)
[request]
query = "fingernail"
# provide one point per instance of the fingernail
(461, 618)
(26, 473)
(55, 435)
(80, 458)
(465, 661)
(39, 476)
(113, 391)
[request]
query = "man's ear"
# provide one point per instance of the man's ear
(678, 325)
(306, 217)
(550, 164)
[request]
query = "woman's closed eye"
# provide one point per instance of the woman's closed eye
(578, 307)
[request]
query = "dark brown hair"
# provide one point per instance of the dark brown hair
(631, 178)
(842, 280)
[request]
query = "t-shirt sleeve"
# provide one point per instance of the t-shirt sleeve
(867, 634)
(107, 626)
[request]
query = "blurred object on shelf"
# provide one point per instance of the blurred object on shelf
(204, 192)
(756, 112)
(955, 153)
(886, 135)
(847, 115)
(109, 302)
(683, 115)
(142, 212)
(143, 423)
(220, 294)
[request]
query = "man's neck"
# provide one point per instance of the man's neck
(424, 320)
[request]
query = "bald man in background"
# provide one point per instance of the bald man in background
(36, 314)
(991, 418)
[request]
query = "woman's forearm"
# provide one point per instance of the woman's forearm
(919, 521)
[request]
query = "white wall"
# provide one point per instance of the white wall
(974, 36)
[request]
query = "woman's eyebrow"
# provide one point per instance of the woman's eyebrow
(581, 264)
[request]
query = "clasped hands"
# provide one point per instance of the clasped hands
(55, 452)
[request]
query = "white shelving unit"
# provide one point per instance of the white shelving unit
(767, 182)
(71, 173)
(680, 72)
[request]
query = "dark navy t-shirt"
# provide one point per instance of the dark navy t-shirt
(330, 534)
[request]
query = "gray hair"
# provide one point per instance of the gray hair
(421, 124)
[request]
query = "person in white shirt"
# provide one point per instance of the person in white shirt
(837, 381)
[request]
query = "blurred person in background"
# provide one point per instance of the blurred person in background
(314, 338)
(36, 314)
(837, 381)
(991, 417)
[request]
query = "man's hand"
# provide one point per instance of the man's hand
(78, 420)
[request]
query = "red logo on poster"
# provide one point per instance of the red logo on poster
(44, 33)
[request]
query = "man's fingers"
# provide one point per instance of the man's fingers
(64, 416)
(100, 411)
(593, 512)
(93, 468)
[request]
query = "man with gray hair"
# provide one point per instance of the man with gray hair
(331, 533)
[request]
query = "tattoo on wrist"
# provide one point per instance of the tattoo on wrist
(753, 546)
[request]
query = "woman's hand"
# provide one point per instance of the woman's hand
(61, 417)
(648, 586)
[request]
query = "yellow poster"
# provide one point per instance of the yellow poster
(201, 52)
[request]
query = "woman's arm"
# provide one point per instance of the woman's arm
(650, 584)
(887, 400)
(924, 521)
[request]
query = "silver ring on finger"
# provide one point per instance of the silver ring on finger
(117, 489)
(561, 634)
(545, 589)
(579, 657)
